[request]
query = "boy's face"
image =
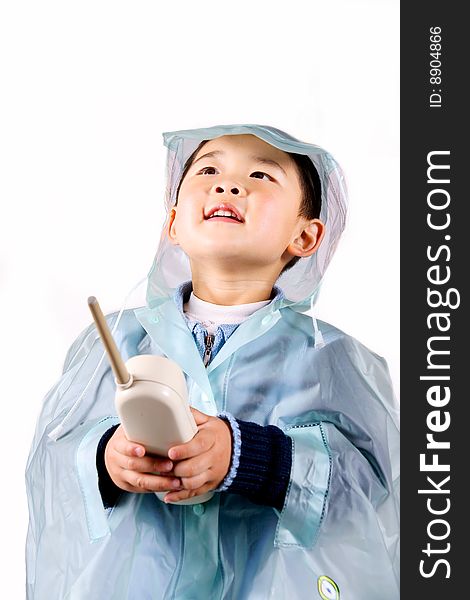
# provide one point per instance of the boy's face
(266, 195)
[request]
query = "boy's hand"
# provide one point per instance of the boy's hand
(131, 470)
(203, 462)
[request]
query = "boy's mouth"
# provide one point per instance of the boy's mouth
(224, 212)
(226, 219)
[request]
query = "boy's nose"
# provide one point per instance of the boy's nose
(236, 190)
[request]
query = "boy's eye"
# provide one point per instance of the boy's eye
(262, 174)
(256, 174)
(207, 168)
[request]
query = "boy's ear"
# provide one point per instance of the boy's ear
(309, 239)
(171, 227)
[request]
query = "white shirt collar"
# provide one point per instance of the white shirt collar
(212, 315)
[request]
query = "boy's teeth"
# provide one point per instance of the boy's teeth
(224, 213)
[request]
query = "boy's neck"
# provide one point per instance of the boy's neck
(230, 292)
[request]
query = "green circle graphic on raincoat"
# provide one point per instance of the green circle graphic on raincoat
(337, 535)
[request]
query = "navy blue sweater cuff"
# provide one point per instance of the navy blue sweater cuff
(109, 491)
(263, 472)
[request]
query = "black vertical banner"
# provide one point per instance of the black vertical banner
(434, 290)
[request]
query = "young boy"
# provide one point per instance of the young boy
(297, 428)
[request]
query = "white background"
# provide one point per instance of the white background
(87, 90)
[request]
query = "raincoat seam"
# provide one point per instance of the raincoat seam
(224, 404)
(325, 496)
(67, 364)
(219, 553)
(91, 535)
(133, 552)
(226, 381)
(169, 139)
(65, 411)
(286, 496)
(68, 414)
(49, 426)
(85, 333)
(181, 553)
(327, 491)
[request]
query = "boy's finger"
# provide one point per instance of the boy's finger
(184, 494)
(147, 464)
(124, 446)
(199, 416)
(198, 445)
(151, 483)
(177, 496)
(196, 482)
(193, 466)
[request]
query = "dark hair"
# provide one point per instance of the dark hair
(310, 185)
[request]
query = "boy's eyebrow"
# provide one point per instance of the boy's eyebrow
(268, 161)
(207, 155)
(259, 159)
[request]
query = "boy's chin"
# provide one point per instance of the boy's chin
(215, 253)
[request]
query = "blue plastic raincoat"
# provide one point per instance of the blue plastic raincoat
(337, 534)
